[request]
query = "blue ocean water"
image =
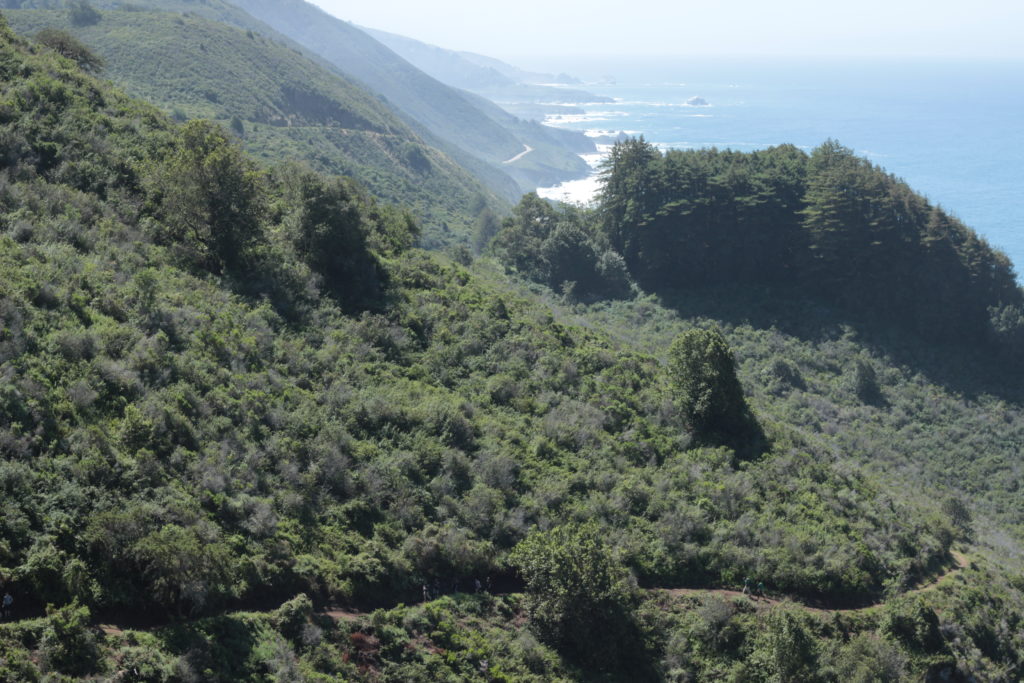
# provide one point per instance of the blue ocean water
(953, 130)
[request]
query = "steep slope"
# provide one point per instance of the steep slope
(450, 114)
(489, 77)
(225, 386)
(281, 104)
(548, 166)
(515, 73)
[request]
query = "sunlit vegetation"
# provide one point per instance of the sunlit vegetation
(234, 394)
(279, 103)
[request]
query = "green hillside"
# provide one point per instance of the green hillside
(469, 129)
(239, 409)
(477, 127)
(283, 106)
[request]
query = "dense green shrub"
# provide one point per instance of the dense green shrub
(68, 644)
(210, 197)
(578, 597)
(703, 376)
(66, 45)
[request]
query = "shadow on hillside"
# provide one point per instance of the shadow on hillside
(969, 369)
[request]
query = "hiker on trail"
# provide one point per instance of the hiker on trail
(7, 604)
(426, 593)
(477, 585)
(760, 589)
(748, 586)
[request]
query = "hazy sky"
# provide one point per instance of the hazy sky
(512, 28)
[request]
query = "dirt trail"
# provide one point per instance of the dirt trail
(960, 562)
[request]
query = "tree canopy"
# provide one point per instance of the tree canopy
(66, 45)
(703, 375)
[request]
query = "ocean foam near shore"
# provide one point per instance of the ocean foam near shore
(583, 190)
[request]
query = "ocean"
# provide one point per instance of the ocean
(953, 130)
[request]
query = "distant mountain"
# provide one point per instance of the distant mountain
(452, 115)
(282, 104)
(486, 76)
(516, 74)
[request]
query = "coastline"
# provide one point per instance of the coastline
(582, 190)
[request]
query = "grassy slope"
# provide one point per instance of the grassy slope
(290, 106)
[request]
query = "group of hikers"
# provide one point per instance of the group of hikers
(749, 589)
(432, 591)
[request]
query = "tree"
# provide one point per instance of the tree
(629, 189)
(865, 383)
(784, 650)
(703, 375)
(518, 244)
(959, 515)
(182, 568)
(66, 45)
(577, 596)
(331, 238)
(83, 14)
(68, 644)
(485, 228)
(211, 196)
(558, 247)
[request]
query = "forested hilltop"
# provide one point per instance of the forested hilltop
(828, 223)
(239, 409)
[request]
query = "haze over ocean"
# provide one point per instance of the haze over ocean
(953, 130)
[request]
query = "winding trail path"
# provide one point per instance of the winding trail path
(960, 562)
(519, 156)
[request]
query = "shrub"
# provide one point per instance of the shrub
(577, 596)
(82, 13)
(66, 45)
(703, 375)
(68, 645)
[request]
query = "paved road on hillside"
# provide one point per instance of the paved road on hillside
(519, 156)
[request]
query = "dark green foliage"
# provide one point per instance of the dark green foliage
(959, 515)
(578, 597)
(237, 127)
(830, 222)
(785, 650)
(553, 246)
(81, 13)
(864, 382)
(703, 216)
(66, 45)
(912, 623)
(210, 196)
(485, 227)
(330, 235)
(68, 644)
(703, 376)
(868, 659)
